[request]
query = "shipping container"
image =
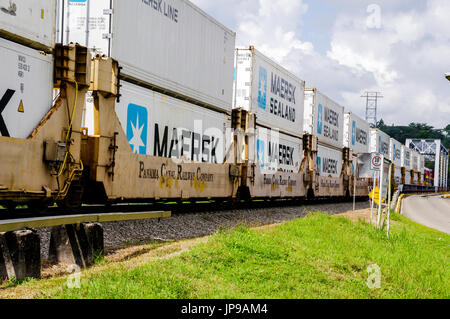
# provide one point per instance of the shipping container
(75, 26)
(159, 125)
(356, 133)
(32, 23)
(269, 91)
(415, 160)
(171, 45)
(406, 158)
(397, 175)
(26, 88)
(329, 161)
(323, 118)
(395, 152)
(275, 151)
(379, 142)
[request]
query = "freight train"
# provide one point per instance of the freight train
(137, 116)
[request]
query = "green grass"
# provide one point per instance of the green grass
(315, 257)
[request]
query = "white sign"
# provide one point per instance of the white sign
(376, 161)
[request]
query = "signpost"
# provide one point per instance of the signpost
(375, 165)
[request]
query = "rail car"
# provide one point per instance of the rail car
(62, 162)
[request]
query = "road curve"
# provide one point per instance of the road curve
(431, 211)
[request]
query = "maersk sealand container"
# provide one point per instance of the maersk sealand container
(323, 118)
(266, 89)
(356, 133)
(169, 45)
(380, 142)
(27, 22)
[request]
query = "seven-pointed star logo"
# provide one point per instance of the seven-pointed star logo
(137, 128)
(136, 140)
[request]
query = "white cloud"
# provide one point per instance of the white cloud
(405, 59)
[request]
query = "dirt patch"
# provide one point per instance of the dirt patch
(364, 215)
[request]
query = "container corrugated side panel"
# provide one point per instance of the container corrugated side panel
(395, 152)
(72, 24)
(356, 133)
(25, 88)
(275, 151)
(406, 158)
(328, 123)
(277, 96)
(329, 161)
(159, 125)
(380, 142)
(397, 175)
(185, 52)
(308, 113)
(32, 23)
(242, 84)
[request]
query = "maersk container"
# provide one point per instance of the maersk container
(356, 133)
(421, 164)
(159, 125)
(415, 160)
(276, 151)
(32, 23)
(397, 175)
(323, 118)
(406, 158)
(75, 26)
(26, 88)
(329, 161)
(171, 45)
(380, 142)
(269, 91)
(395, 152)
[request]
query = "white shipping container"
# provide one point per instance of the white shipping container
(158, 125)
(379, 142)
(276, 151)
(26, 88)
(406, 158)
(421, 164)
(395, 152)
(323, 118)
(397, 175)
(169, 44)
(75, 26)
(32, 23)
(269, 91)
(415, 160)
(356, 133)
(329, 161)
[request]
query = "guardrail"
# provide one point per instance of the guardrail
(74, 240)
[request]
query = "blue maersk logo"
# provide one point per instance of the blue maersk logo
(320, 119)
(319, 164)
(354, 133)
(262, 88)
(137, 128)
(260, 152)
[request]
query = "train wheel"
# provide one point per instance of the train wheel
(38, 206)
(74, 198)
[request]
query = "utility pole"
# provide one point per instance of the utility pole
(372, 106)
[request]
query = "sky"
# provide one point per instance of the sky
(347, 47)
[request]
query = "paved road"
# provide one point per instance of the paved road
(431, 211)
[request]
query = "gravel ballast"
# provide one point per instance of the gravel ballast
(193, 225)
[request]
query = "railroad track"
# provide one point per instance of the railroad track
(175, 208)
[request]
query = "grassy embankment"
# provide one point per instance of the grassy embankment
(315, 257)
